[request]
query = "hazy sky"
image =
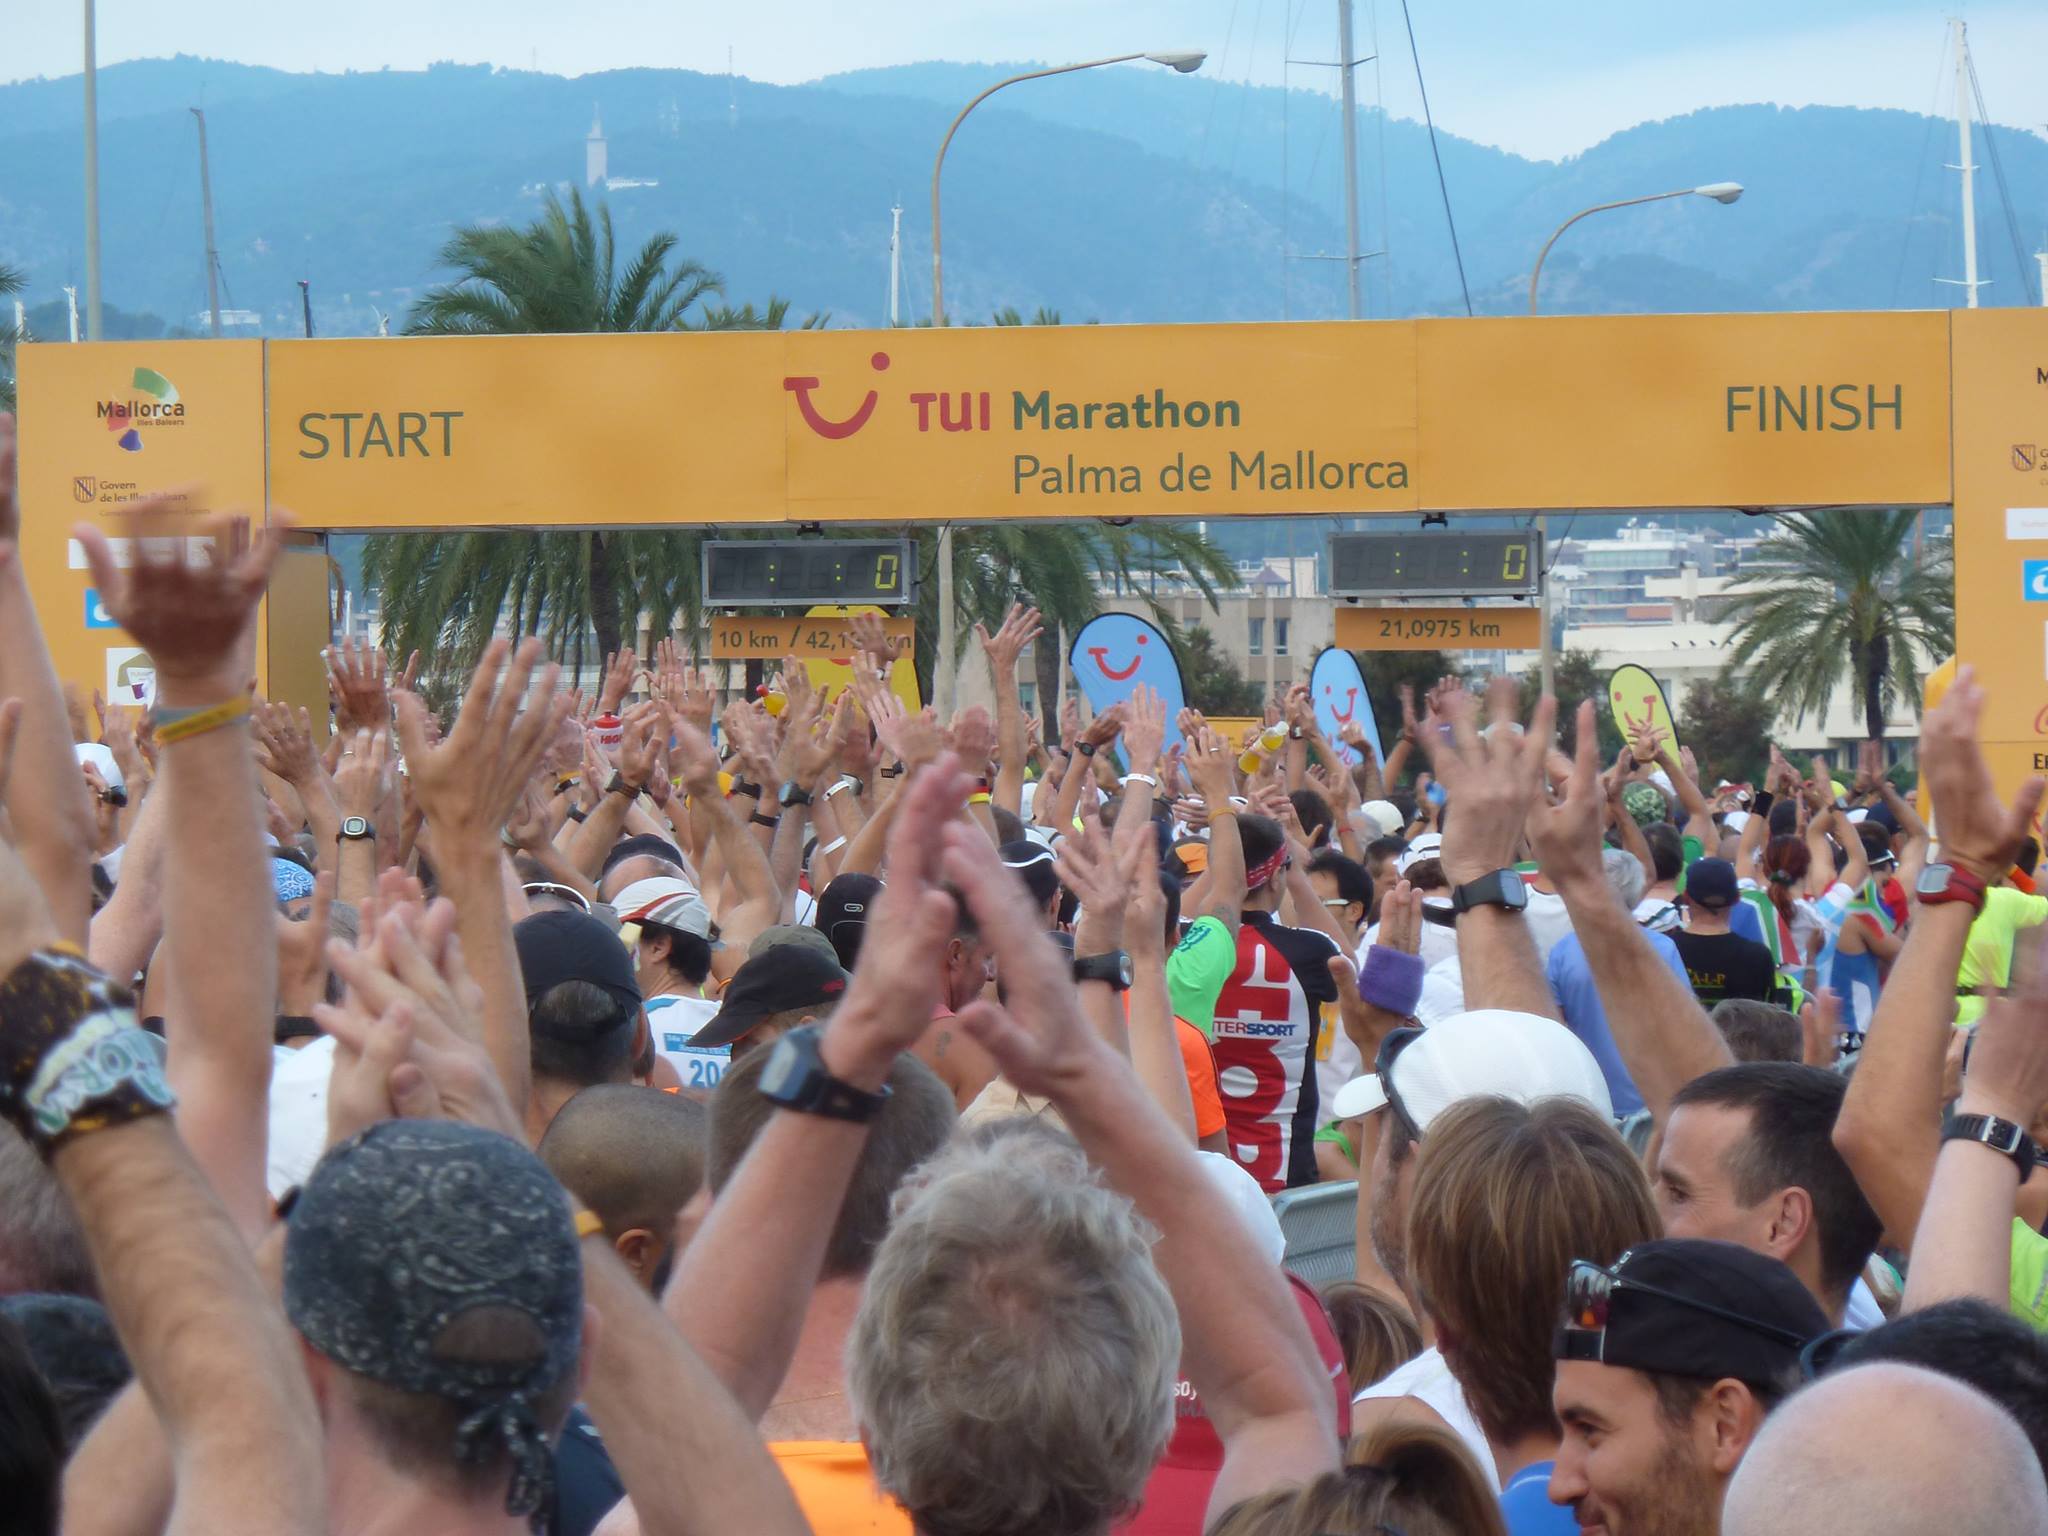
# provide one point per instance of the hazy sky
(1544, 77)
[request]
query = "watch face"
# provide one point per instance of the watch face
(1512, 889)
(354, 826)
(785, 1065)
(1933, 880)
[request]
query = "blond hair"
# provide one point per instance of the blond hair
(1403, 1476)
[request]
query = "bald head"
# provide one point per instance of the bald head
(632, 1155)
(1888, 1450)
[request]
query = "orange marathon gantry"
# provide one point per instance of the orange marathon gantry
(1184, 421)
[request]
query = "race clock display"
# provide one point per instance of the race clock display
(796, 573)
(1436, 563)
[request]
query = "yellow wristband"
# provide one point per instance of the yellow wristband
(588, 1224)
(200, 721)
(979, 797)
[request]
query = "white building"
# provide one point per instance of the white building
(594, 157)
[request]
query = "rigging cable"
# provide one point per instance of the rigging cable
(1435, 154)
(2012, 223)
(1919, 176)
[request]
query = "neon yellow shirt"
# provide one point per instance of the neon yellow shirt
(1987, 954)
(2029, 1274)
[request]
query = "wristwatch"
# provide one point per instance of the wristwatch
(1113, 967)
(742, 786)
(1085, 747)
(2000, 1136)
(1941, 883)
(795, 1077)
(1503, 888)
(792, 793)
(355, 829)
(619, 786)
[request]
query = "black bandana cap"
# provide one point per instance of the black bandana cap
(408, 1225)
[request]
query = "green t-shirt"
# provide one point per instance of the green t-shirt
(1197, 969)
(2029, 1274)
(1987, 953)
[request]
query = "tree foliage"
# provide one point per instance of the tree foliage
(11, 282)
(1211, 679)
(1850, 599)
(1727, 721)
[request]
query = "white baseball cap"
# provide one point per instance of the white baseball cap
(1383, 814)
(1493, 1052)
(1428, 846)
(1361, 1096)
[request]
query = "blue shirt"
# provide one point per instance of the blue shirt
(1571, 984)
(1525, 1505)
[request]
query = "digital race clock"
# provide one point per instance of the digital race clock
(796, 573)
(1436, 563)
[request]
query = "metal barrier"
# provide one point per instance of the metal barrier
(1320, 1223)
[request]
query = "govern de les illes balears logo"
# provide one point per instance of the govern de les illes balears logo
(152, 402)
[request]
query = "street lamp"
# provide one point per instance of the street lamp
(1720, 192)
(1185, 62)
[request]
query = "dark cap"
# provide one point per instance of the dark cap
(787, 976)
(555, 947)
(1710, 883)
(407, 1227)
(842, 914)
(1031, 862)
(1675, 1305)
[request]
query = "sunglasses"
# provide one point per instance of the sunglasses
(1589, 1300)
(566, 892)
(1397, 1041)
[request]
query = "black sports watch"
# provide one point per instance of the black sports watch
(795, 1077)
(1503, 888)
(354, 829)
(792, 793)
(1113, 967)
(1085, 747)
(619, 786)
(2000, 1136)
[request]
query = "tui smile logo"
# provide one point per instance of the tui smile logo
(802, 385)
(153, 401)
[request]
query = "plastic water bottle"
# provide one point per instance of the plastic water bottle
(1263, 747)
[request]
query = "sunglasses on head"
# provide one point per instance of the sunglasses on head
(1397, 1041)
(549, 888)
(1589, 1300)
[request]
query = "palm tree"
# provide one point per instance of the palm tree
(445, 594)
(11, 283)
(1846, 596)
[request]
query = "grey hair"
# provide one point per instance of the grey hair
(1625, 876)
(1014, 1361)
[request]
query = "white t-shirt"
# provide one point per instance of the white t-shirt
(674, 1022)
(1428, 1380)
(298, 1112)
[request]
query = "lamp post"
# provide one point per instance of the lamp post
(944, 665)
(1721, 192)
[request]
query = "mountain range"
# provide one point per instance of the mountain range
(1127, 194)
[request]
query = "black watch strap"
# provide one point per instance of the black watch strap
(1503, 889)
(1114, 967)
(1999, 1135)
(795, 1077)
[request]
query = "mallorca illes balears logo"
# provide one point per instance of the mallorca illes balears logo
(1052, 473)
(153, 402)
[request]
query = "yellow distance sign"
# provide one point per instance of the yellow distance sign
(831, 674)
(812, 637)
(1438, 629)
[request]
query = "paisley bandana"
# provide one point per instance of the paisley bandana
(406, 1227)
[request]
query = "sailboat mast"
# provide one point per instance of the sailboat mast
(895, 261)
(1345, 64)
(1968, 169)
(206, 210)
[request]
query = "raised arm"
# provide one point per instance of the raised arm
(195, 622)
(1889, 1128)
(1244, 1345)
(1963, 1245)
(1209, 768)
(746, 862)
(1665, 1038)
(470, 785)
(209, 1347)
(1494, 780)
(740, 1291)
(1020, 627)
(47, 799)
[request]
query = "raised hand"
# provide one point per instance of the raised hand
(193, 620)
(871, 640)
(359, 679)
(807, 745)
(620, 668)
(1494, 780)
(1978, 831)
(1144, 729)
(1210, 768)
(363, 774)
(1566, 836)
(913, 740)
(284, 743)
(470, 784)
(1070, 721)
(974, 739)
(1019, 628)
(1103, 729)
